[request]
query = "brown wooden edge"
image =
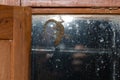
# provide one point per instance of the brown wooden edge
(5, 51)
(75, 11)
(27, 38)
(21, 44)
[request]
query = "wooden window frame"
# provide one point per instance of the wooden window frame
(71, 3)
(10, 2)
(100, 11)
(80, 11)
(15, 42)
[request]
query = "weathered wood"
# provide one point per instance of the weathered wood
(10, 2)
(76, 11)
(71, 3)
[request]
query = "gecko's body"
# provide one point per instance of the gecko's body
(60, 30)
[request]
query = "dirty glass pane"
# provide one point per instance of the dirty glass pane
(75, 47)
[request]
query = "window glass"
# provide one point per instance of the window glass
(75, 47)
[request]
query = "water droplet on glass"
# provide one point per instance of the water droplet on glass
(102, 61)
(98, 69)
(118, 40)
(77, 25)
(70, 28)
(115, 52)
(56, 66)
(58, 60)
(68, 24)
(101, 40)
(88, 21)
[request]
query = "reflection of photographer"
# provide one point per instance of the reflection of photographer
(78, 58)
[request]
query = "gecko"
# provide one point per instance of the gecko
(60, 30)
